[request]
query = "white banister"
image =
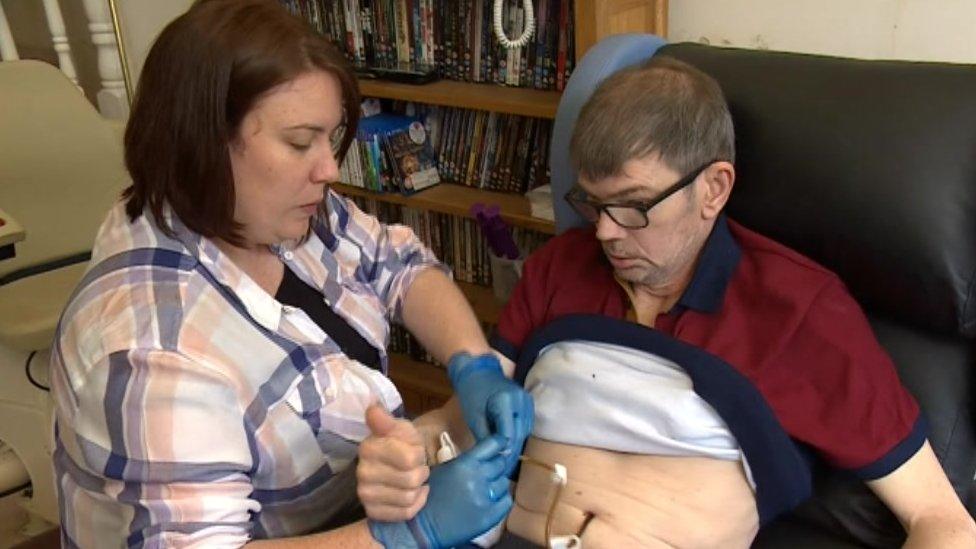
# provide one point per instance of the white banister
(59, 36)
(112, 99)
(8, 50)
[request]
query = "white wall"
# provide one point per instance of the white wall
(141, 22)
(929, 30)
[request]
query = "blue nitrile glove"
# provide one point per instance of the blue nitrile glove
(468, 495)
(492, 403)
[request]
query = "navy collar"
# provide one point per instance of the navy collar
(716, 265)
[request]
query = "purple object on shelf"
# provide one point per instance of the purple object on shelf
(497, 233)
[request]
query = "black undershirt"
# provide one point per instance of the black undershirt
(293, 291)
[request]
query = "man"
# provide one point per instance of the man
(674, 356)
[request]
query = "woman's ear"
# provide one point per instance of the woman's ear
(719, 179)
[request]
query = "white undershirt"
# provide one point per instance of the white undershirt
(621, 399)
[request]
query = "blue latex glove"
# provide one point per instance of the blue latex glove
(492, 403)
(468, 495)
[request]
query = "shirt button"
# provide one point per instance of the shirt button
(288, 256)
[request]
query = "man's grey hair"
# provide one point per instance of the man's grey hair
(663, 106)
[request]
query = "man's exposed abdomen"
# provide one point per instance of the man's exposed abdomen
(635, 500)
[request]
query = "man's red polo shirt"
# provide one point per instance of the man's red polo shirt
(786, 324)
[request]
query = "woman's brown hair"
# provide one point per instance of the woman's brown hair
(205, 72)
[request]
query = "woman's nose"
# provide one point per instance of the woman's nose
(326, 169)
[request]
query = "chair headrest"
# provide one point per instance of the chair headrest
(868, 167)
(605, 58)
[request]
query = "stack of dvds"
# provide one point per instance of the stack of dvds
(453, 35)
(391, 153)
(481, 149)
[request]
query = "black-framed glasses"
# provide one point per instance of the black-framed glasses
(629, 215)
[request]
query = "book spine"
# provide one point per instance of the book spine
(476, 33)
(475, 141)
(415, 47)
(561, 52)
(402, 31)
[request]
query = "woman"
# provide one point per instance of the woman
(213, 371)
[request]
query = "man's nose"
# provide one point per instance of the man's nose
(607, 229)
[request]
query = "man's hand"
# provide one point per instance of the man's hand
(920, 495)
(468, 495)
(392, 468)
(491, 403)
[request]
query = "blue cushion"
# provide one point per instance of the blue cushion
(605, 58)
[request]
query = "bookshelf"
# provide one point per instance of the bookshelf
(597, 19)
(457, 200)
(425, 386)
(467, 95)
(486, 307)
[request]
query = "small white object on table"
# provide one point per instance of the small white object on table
(10, 233)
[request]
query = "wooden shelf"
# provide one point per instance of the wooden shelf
(482, 299)
(457, 200)
(423, 386)
(467, 95)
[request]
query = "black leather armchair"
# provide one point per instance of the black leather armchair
(868, 167)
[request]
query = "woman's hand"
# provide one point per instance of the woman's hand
(492, 404)
(392, 468)
(468, 495)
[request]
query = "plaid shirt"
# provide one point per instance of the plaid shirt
(193, 408)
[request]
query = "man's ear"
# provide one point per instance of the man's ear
(718, 180)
